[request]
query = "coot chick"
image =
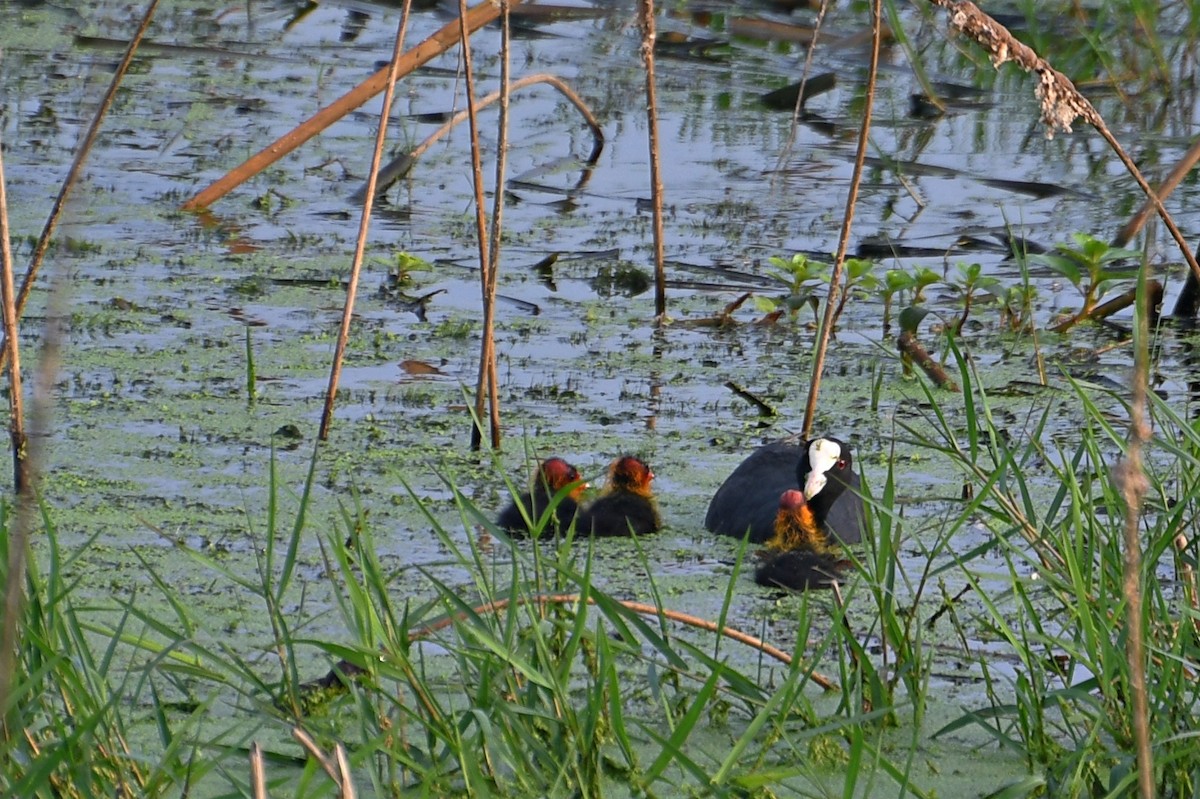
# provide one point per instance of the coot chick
(822, 468)
(551, 477)
(626, 505)
(800, 554)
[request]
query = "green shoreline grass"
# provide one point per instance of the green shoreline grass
(588, 700)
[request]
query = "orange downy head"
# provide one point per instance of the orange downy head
(556, 474)
(796, 527)
(632, 474)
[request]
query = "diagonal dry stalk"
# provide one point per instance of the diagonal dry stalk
(1061, 102)
(81, 156)
(831, 301)
(364, 225)
(484, 13)
(646, 23)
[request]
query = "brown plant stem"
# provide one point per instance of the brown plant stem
(912, 352)
(829, 319)
(646, 23)
(488, 380)
(1131, 480)
(16, 396)
(81, 156)
(442, 40)
(1154, 296)
(364, 225)
(487, 355)
(338, 769)
(794, 131)
(1168, 185)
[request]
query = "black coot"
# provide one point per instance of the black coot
(821, 468)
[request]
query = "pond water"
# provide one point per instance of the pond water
(154, 438)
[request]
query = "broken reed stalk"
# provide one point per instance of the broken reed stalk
(364, 225)
(399, 166)
(829, 319)
(646, 24)
(258, 772)
(442, 40)
(1132, 483)
(1061, 102)
(488, 350)
(911, 352)
(337, 768)
(488, 380)
(81, 156)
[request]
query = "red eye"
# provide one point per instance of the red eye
(841, 464)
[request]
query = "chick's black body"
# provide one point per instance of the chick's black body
(800, 570)
(801, 555)
(627, 504)
(552, 476)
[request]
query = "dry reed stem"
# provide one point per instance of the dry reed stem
(14, 589)
(364, 225)
(16, 418)
(487, 355)
(439, 42)
(1168, 185)
(829, 318)
(81, 156)
(642, 608)
(649, 34)
(306, 741)
(912, 351)
(487, 348)
(1061, 102)
(488, 380)
(484, 102)
(1130, 479)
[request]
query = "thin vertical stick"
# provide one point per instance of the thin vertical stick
(81, 156)
(1131, 481)
(488, 379)
(646, 23)
(488, 351)
(829, 318)
(364, 225)
(16, 421)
